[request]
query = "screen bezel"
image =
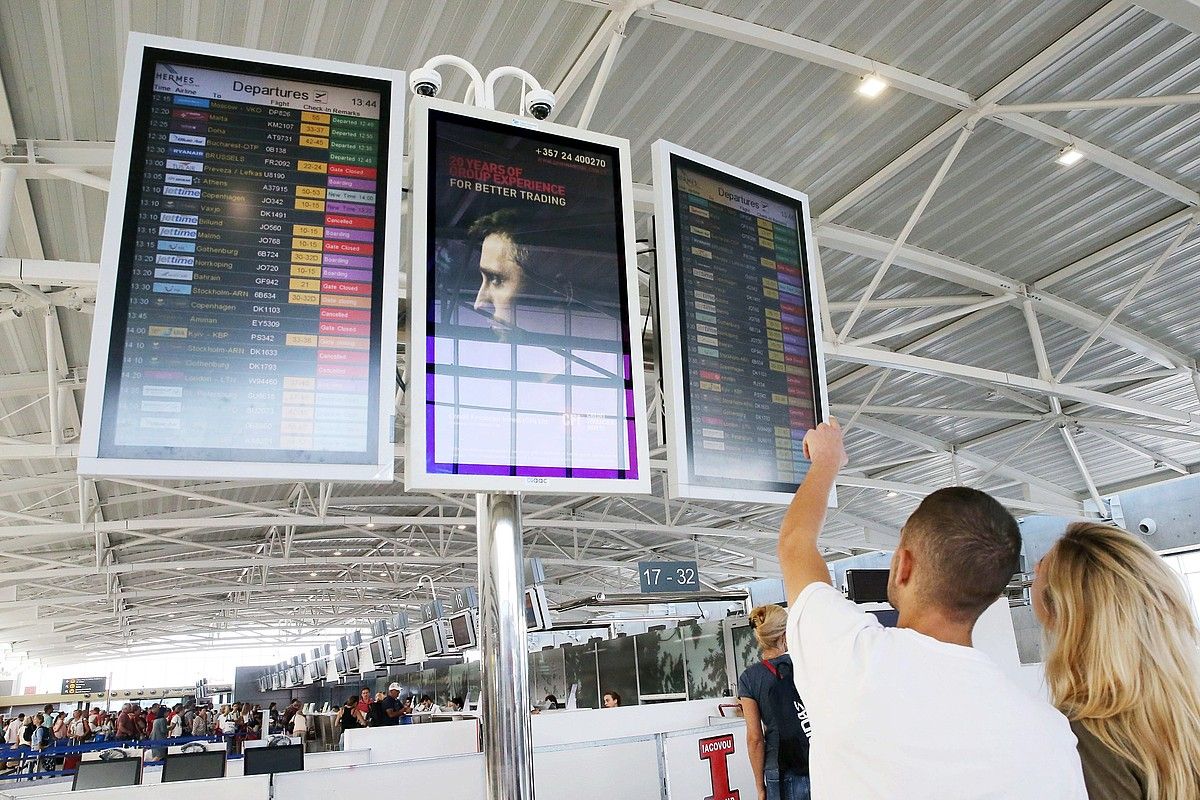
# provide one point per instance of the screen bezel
(352, 661)
(681, 480)
(417, 476)
(256, 754)
(176, 758)
(391, 641)
(472, 637)
(136, 762)
(117, 238)
(439, 638)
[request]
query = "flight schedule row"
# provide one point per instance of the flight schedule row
(253, 279)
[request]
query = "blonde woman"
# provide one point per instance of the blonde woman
(776, 723)
(1122, 663)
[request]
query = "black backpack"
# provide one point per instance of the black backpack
(791, 719)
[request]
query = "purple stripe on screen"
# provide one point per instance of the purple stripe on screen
(349, 234)
(342, 274)
(358, 184)
(483, 469)
(631, 429)
(542, 472)
(360, 209)
(339, 260)
(594, 473)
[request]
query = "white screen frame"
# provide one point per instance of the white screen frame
(472, 628)
(668, 323)
(90, 463)
(416, 475)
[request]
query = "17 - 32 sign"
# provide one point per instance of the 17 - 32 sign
(668, 576)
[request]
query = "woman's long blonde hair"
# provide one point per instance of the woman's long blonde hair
(770, 627)
(1123, 654)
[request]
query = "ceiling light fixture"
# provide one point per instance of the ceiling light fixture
(462, 527)
(291, 589)
(871, 86)
(312, 574)
(1069, 155)
(893, 494)
(337, 552)
(370, 525)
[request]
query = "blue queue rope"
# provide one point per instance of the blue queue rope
(24, 755)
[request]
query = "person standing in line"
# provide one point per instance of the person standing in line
(200, 722)
(12, 736)
(1123, 663)
(158, 732)
(78, 728)
(775, 717)
(941, 720)
(175, 723)
(126, 728)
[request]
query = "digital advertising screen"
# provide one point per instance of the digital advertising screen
(739, 325)
(525, 363)
(249, 276)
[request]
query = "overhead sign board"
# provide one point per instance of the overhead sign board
(245, 316)
(84, 685)
(668, 576)
(525, 364)
(739, 324)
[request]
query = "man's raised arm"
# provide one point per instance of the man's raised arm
(799, 558)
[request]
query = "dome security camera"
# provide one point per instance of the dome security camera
(425, 82)
(1147, 527)
(539, 103)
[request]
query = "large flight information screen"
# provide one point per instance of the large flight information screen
(532, 373)
(747, 382)
(248, 307)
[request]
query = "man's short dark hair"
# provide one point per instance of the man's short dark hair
(969, 546)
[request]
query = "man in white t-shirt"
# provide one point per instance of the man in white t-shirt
(914, 712)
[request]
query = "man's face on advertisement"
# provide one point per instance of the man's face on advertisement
(501, 280)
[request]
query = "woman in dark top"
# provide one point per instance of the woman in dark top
(349, 718)
(1122, 663)
(779, 760)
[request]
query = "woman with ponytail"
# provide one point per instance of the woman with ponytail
(776, 723)
(1122, 663)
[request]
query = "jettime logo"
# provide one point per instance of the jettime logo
(716, 751)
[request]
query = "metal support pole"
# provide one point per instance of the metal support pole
(504, 703)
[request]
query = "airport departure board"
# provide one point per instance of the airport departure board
(525, 357)
(739, 327)
(249, 317)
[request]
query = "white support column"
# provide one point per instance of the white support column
(1088, 105)
(1044, 372)
(51, 325)
(947, 162)
(1134, 447)
(1128, 298)
(8, 198)
(945, 316)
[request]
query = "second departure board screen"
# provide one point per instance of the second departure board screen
(248, 310)
(530, 370)
(750, 368)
